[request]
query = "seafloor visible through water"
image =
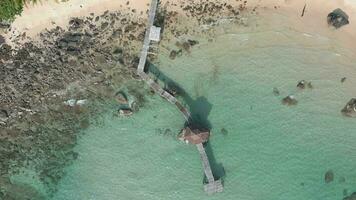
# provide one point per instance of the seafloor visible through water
(261, 148)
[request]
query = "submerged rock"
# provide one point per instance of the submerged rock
(289, 100)
(174, 54)
(338, 18)
(329, 176)
(350, 108)
(351, 197)
(303, 84)
(343, 79)
(276, 91)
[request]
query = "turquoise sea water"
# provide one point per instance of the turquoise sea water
(269, 151)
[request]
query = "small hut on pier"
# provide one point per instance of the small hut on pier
(194, 136)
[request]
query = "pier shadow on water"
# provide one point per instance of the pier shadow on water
(200, 109)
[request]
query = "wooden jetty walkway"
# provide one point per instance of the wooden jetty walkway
(213, 185)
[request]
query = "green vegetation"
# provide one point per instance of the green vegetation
(10, 8)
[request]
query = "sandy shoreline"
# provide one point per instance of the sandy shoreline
(50, 14)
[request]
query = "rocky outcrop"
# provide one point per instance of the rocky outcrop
(338, 18)
(350, 108)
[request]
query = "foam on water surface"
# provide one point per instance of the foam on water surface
(265, 150)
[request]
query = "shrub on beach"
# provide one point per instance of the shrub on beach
(10, 8)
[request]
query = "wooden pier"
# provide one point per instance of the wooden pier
(213, 185)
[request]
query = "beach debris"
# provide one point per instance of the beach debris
(276, 91)
(305, 5)
(303, 84)
(289, 100)
(351, 197)
(329, 176)
(338, 18)
(350, 108)
(343, 79)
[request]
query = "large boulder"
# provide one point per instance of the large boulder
(338, 18)
(351, 197)
(350, 108)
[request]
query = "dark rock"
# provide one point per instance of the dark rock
(276, 91)
(338, 18)
(104, 25)
(329, 176)
(2, 40)
(4, 25)
(4, 114)
(343, 79)
(350, 109)
(193, 42)
(351, 197)
(76, 23)
(289, 101)
(303, 84)
(173, 54)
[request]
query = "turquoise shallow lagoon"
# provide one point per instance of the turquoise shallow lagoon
(269, 151)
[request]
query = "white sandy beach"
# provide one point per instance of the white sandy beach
(50, 14)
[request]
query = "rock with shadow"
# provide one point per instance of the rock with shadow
(338, 18)
(350, 108)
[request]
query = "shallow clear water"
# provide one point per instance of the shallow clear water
(270, 151)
